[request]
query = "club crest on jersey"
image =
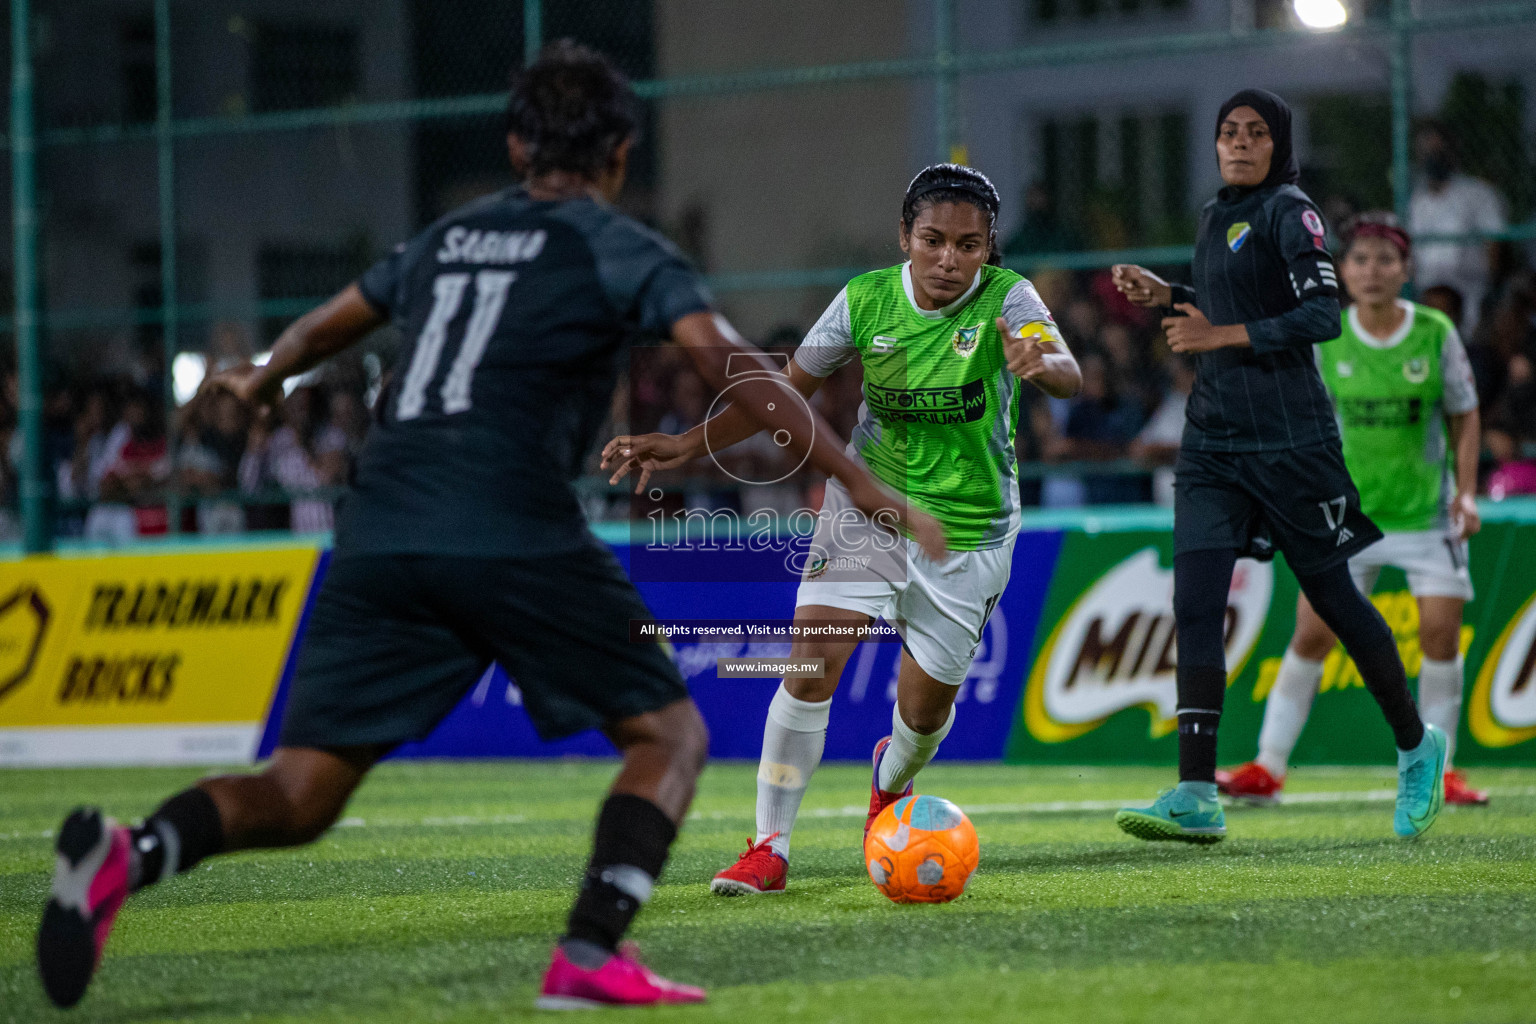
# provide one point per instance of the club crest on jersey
(1314, 225)
(817, 568)
(965, 340)
(1237, 234)
(1416, 371)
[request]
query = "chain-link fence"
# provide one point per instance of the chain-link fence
(186, 176)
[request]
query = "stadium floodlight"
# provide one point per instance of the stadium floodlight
(1321, 14)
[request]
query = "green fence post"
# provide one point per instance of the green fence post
(944, 80)
(533, 30)
(165, 150)
(1402, 105)
(37, 525)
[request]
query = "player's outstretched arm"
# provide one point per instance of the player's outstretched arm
(712, 342)
(650, 453)
(310, 340)
(1034, 356)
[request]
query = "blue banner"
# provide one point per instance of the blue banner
(490, 722)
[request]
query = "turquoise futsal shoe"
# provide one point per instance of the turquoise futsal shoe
(1420, 785)
(1177, 814)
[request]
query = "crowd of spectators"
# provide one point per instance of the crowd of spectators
(114, 460)
(117, 474)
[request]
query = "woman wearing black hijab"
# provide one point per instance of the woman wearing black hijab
(1261, 466)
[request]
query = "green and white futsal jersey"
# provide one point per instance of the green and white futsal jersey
(1392, 396)
(940, 406)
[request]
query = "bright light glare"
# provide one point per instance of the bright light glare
(187, 372)
(1321, 13)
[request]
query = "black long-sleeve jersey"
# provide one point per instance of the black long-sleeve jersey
(1261, 259)
(515, 313)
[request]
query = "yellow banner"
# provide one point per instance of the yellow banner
(147, 639)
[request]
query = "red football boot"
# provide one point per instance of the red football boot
(755, 872)
(1458, 792)
(90, 882)
(621, 981)
(1250, 782)
(879, 799)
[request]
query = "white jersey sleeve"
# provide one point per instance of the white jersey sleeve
(1023, 305)
(829, 344)
(1460, 395)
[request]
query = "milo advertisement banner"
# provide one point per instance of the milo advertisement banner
(1100, 683)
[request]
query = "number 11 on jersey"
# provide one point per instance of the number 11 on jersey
(447, 295)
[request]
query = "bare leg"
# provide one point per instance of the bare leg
(664, 753)
(299, 795)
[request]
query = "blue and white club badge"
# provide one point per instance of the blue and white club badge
(1237, 234)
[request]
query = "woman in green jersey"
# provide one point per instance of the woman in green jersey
(944, 340)
(1402, 387)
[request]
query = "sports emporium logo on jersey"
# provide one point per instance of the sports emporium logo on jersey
(1237, 234)
(1416, 371)
(1503, 705)
(965, 341)
(1115, 648)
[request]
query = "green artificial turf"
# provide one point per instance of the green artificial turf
(439, 895)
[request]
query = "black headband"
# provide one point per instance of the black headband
(982, 190)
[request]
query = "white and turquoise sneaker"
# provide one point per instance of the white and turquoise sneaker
(1420, 785)
(1182, 813)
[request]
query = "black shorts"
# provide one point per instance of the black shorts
(394, 642)
(1301, 501)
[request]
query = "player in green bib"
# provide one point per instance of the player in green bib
(1402, 388)
(945, 341)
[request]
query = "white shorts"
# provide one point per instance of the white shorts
(940, 608)
(1435, 562)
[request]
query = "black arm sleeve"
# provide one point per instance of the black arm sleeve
(1182, 293)
(1297, 231)
(1316, 320)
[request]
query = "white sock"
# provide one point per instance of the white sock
(1440, 686)
(1286, 710)
(793, 739)
(909, 751)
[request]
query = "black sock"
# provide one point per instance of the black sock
(1201, 691)
(628, 852)
(1201, 582)
(1368, 639)
(182, 832)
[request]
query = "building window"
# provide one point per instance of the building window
(1065, 12)
(1117, 178)
(136, 38)
(295, 66)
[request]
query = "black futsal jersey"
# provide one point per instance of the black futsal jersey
(1261, 467)
(462, 543)
(1261, 259)
(515, 313)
